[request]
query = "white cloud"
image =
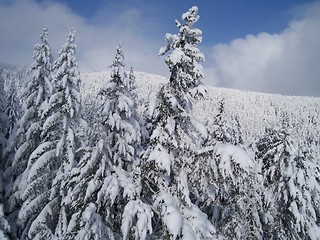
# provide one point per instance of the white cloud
(286, 63)
(22, 21)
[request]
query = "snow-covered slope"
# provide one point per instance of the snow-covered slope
(255, 111)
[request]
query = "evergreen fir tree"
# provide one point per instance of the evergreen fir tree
(227, 188)
(272, 150)
(5, 228)
(94, 190)
(291, 195)
(304, 192)
(12, 108)
(57, 155)
(238, 131)
(4, 225)
(106, 181)
(27, 138)
(237, 203)
(169, 159)
(132, 80)
(38, 175)
(119, 117)
(3, 121)
(223, 130)
(133, 89)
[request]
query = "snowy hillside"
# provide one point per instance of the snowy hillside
(255, 111)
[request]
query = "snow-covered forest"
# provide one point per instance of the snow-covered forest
(120, 154)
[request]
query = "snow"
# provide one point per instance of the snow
(173, 220)
(88, 212)
(162, 50)
(191, 15)
(4, 224)
(255, 111)
(93, 185)
(33, 129)
(20, 152)
(183, 187)
(44, 160)
(175, 56)
(187, 232)
(152, 104)
(162, 158)
(171, 125)
(29, 207)
(126, 182)
(50, 121)
(142, 212)
(230, 153)
(170, 213)
(197, 224)
(39, 151)
(109, 190)
(202, 129)
(40, 220)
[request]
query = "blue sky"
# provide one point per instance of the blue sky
(267, 46)
(221, 21)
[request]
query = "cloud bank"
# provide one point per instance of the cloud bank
(286, 63)
(21, 23)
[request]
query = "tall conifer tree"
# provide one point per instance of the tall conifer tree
(12, 108)
(107, 178)
(173, 139)
(291, 187)
(4, 225)
(61, 142)
(35, 96)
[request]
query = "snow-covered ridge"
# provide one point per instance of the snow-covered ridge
(145, 82)
(255, 111)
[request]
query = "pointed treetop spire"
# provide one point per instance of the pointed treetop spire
(191, 16)
(118, 63)
(119, 58)
(44, 35)
(71, 37)
(184, 56)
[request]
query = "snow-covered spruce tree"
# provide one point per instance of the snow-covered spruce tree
(94, 190)
(4, 225)
(57, 155)
(291, 187)
(304, 192)
(37, 177)
(274, 151)
(137, 101)
(3, 121)
(34, 97)
(227, 182)
(12, 108)
(5, 228)
(119, 116)
(132, 80)
(106, 182)
(133, 88)
(237, 202)
(168, 161)
(222, 130)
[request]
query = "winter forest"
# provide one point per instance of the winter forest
(127, 155)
